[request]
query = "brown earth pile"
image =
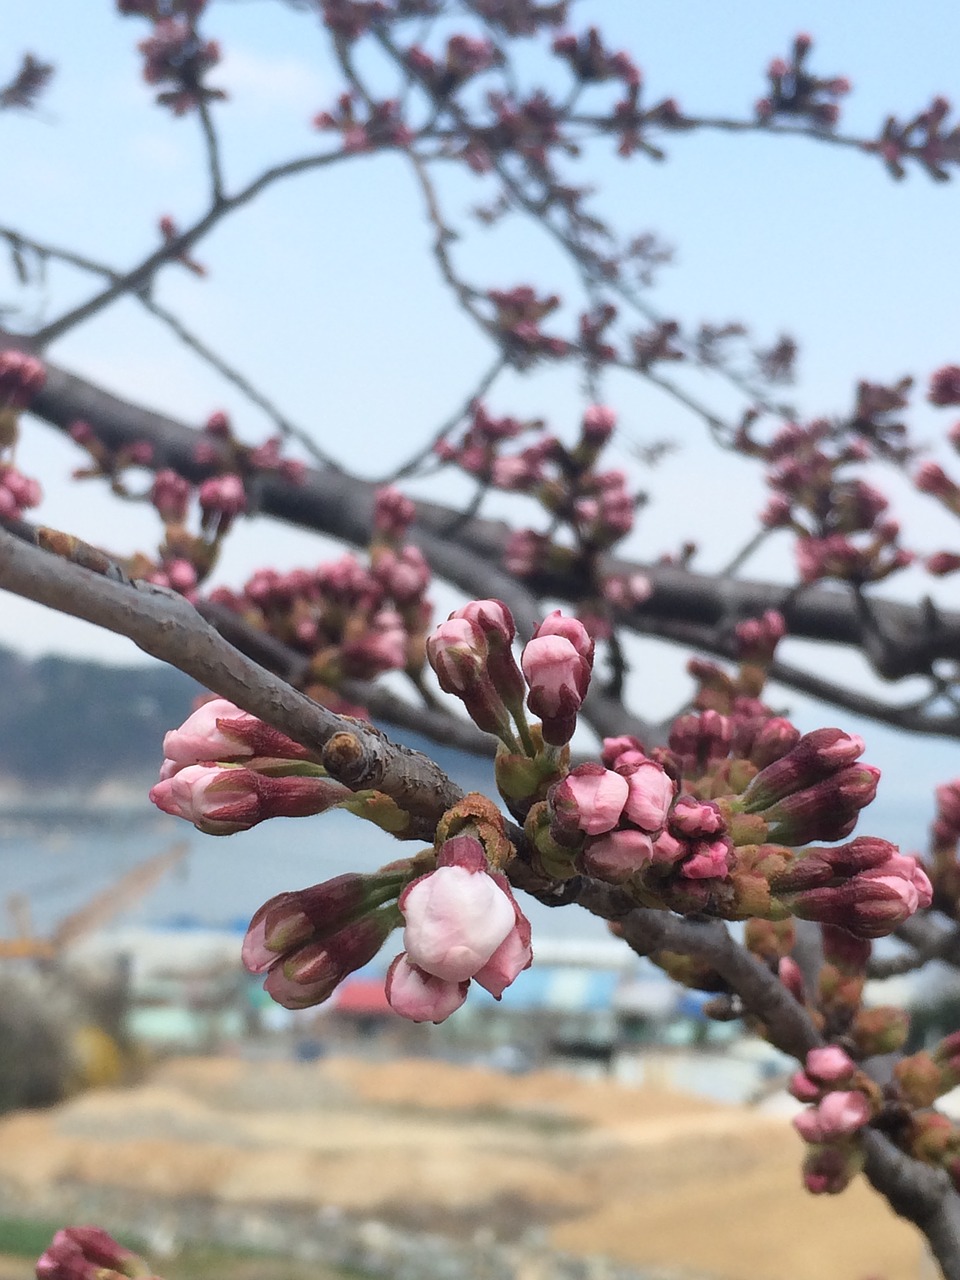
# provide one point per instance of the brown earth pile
(644, 1176)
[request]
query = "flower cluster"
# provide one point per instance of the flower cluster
(184, 558)
(472, 656)
(308, 941)
(794, 91)
(465, 57)
(714, 824)
(461, 923)
(590, 61)
(353, 621)
(518, 313)
(845, 1101)
(21, 377)
(177, 57)
(226, 771)
(382, 126)
(925, 137)
(841, 523)
(595, 505)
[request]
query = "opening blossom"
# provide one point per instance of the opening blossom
(461, 923)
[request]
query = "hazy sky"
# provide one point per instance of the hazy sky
(325, 293)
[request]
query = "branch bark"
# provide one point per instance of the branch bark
(334, 502)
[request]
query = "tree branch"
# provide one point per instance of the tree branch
(166, 626)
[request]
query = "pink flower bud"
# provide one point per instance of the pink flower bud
(599, 421)
(838, 1115)
(589, 800)
(219, 730)
(311, 973)
(791, 975)
(709, 859)
(617, 856)
(393, 512)
(695, 818)
(457, 916)
(558, 674)
(223, 496)
(223, 801)
(803, 1088)
(457, 653)
(290, 920)
(650, 795)
(420, 996)
(614, 748)
(830, 1065)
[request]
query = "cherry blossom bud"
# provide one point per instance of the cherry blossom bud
(829, 1065)
(223, 801)
(599, 421)
(588, 801)
(803, 1088)
(838, 1115)
(219, 730)
(791, 975)
(830, 1169)
(457, 916)
(457, 653)
(614, 748)
(708, 860)
(649, 796)
(310, 974)
(494, 621)
(814, 757)
(945, 385)
(393, 512)
(170, 494)
(617, 856)
(223, 496)
(290, 920)
(557, 664)
(826, 811)
(695, 818)
(421, 996)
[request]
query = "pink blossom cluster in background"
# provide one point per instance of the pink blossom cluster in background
(795, 91)
(355, 621)
(21, 377)
(595, 505)
(841, 523)
(380, 125)
(175, 56)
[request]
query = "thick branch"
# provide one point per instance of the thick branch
(167, 627)
(333, 502)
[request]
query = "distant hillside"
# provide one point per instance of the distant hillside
(77, 723)
(81, 723)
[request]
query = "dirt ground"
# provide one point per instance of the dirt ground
(640, 1175)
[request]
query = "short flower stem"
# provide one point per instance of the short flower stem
(529, 747)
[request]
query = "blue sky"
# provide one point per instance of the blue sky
(325, 292)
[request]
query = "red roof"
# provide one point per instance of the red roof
(361, 995)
